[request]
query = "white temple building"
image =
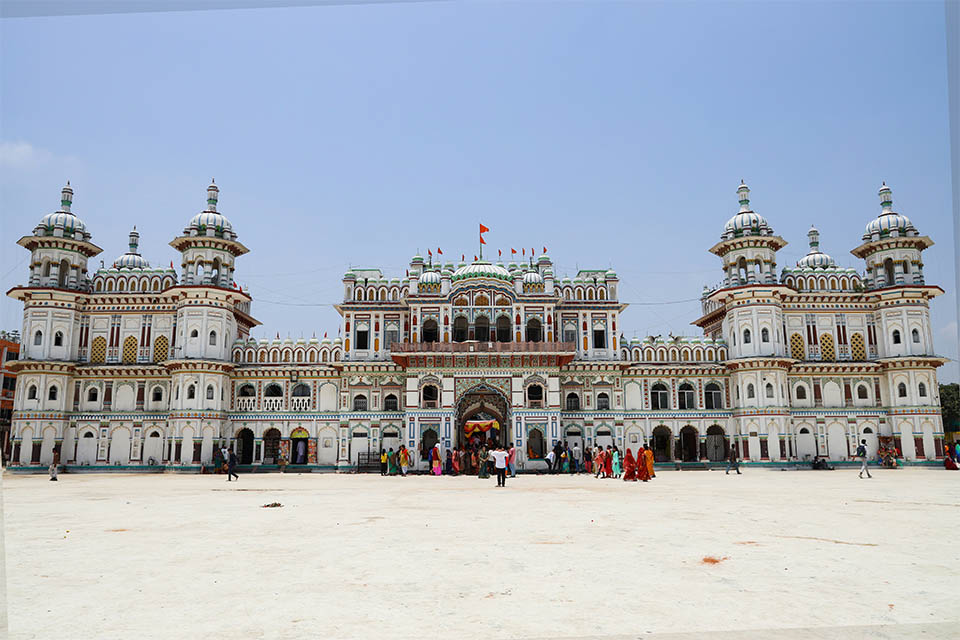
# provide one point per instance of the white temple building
(138, 366)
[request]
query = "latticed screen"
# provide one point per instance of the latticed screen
(160, 348)
(857, 349)
(827, 352)
(98, 350)
(796, 346)
(129, 350)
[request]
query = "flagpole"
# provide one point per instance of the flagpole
(480, 236)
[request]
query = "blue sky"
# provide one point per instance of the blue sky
(613, 133)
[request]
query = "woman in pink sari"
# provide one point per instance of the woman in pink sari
(435, 460)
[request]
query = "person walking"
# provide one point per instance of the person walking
(648, 456)
(512, 461)
(587, 459)
(643, 473)
(608, 462)
(862, 454)
(733, 461)
(404, 460)
(52, 470)
(383, 461)
(500, 464)
(598, 461)
(232, 466)
(617, 469)
(577, 458)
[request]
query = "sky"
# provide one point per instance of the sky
(613, 133)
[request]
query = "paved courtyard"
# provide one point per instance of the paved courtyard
(809, 554)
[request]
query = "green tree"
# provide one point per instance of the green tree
(950, 406)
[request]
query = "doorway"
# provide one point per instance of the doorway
(299, 446)
(689, 444)
(661, 443)
(716, 444)
(245, 446)
(271, 446)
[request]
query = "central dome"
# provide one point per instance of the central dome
(482, 269)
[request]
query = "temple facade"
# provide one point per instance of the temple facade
(134, 365)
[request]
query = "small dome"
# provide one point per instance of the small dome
(132, 258)
(209, 218)
(746, 222)
(888, 220)
(815, 259)
(532, 277)
(430, 277)
(62, 219)
(611, 274)
(482, 269)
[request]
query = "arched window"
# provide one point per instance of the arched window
(390, 403)
(247, 391)
(213, 338)
(922, 389)
(896, 336)
(430, 396)
(52, 393)
(915, 336)
(194, 334)
(92, 394)
(750, 391)
(209, 392)
(63, 273)
(503, 329)
(801, 392)
(481, 329)
(603, 402)
(888, 271)
(768, 390)
(659, 397)
(901, 390)
(713, 396)
(534, 330)
(38, 338)
(157, 394)
(685, 397)
(746, 336)
(764, 335)
(573, 402)
(32, 392)
(273, 391)
(363, 336)
(58, 339)
(535, 396)
(360, 403)
(459, 329)
(430, 331)
(191, 392)
(301, 391)
(862, 393)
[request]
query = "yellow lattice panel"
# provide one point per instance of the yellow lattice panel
(857, 350)
(796, 346)
(98, 350)
(129, 350)
(161, 346)
(827, 352)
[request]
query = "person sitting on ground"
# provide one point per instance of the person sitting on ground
(820, 464)
(948, 464)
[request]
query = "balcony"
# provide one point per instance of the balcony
(299, 404)
(246, 404)
(483, 347)
(273, 404)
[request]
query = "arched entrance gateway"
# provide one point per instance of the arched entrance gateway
(483, 415)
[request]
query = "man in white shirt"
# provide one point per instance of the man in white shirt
(550, 457)
(577, 457)
(500, 464)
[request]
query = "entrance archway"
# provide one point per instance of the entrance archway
(661, 443)
(299, 446)
(716, 444)
(245, 446)
(806, 444)
(604, 438)
(271, 446)
(483, 415)
(428, 441)
(689, 444)
(390, 439)
(574, 437)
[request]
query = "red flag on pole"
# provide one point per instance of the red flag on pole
(439, 252)
(429, 253)
(513, 251)
(463, 257)
(532, 252)
(544, 249)
(500, 253)
(474, 258)
(483, 230)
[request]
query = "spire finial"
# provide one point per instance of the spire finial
(66, 197)
(744, 194)
(886, 198)
(134, 241)
(814, 237)
(213, 194)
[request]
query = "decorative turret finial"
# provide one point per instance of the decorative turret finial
(134, 241)
(814, 236)
(212, 196)
(886, 199)
(66, 197)
(744, 193)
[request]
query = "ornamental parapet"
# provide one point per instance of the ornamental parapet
(482, 347)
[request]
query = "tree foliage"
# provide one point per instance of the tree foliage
(950, 406)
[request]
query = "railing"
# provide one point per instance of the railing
(299, 404)
(483, 347)
(273, 404)
(246, 404)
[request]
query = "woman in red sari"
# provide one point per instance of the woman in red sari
(642, 472)
(629, 467)
(608, 463)
(598, 462)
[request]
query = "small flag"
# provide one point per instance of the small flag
(324, 334)
(544, 249)
(474, 258)
(429, 253)
(532, 252)
(523, 251)
(463, 257)
(500, 253)
(513, 251)
(439, 252)
(483, 230)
